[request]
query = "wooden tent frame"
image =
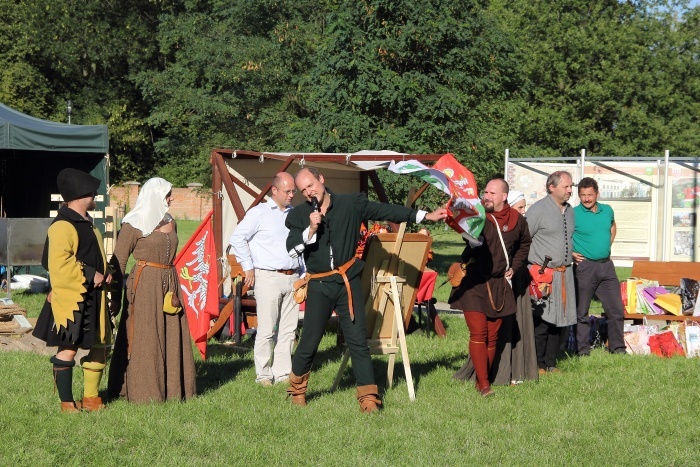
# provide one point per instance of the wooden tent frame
(222, 180)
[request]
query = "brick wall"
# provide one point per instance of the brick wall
(191, 203)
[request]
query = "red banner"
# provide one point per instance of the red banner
(466, 218)
(197, 272)
(460, 176)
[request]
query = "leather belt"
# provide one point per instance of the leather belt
(137, 274)
(562, 269)
(342, 271)
(604, 260)
(287, 272)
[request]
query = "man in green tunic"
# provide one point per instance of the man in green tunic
(327, 239)
(75, 312)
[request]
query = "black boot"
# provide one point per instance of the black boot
(63, 381)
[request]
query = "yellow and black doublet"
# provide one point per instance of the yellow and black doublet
(77, 313)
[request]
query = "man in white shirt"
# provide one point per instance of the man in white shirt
(259, 246)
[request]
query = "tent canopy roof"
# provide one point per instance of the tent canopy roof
(22, 132)
(356, 161)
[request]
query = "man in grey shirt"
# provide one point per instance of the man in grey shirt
(551, 224)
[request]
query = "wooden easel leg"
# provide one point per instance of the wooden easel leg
(341, 370)
(390, 370)
(402, 340)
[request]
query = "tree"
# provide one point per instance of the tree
(608, 76)
(413, 76)
(229, 79)
(85, 51)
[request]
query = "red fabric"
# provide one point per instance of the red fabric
(506, 216)
(197, 272)
(426, 286)
(477, 350)
(538, 279)
(483, 335)
(535, 291)
(665, 345)
(491, 352)
(365, 235)
(545, 278)
(463, 181)
(462, 185)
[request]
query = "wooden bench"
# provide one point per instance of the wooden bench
(669, 274)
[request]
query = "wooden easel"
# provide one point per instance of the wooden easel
(387, 335)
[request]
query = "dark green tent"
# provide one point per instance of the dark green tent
(34, 151)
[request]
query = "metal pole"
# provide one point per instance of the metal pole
(655, 195)
(664, 209)
(695, 210)
(581, 172)
(505, 170)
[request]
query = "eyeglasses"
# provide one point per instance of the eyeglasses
(288, 192)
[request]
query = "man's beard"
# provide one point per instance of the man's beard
(489, 208)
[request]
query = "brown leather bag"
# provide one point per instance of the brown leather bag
(301, 288)
(456, 273)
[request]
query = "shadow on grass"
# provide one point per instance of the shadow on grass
(418, 369)
(223, 364)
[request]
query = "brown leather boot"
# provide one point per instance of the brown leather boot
(368, 396)
(297, 388)
(92, 404)
(70, 407)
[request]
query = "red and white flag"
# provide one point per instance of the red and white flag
(465, 213)
(197, 272)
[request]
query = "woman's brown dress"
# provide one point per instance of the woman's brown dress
(161, 366)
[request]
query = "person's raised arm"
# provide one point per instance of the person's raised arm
(437, 215)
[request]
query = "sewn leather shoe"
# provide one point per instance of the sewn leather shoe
(92, 404)
(297, 388)
(70, 407)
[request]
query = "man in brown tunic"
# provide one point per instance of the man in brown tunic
(485, 295)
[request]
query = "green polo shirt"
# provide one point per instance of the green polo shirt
(592, 231)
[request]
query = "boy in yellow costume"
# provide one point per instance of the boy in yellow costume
(75, 314)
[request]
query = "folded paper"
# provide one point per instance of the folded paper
(670, 302)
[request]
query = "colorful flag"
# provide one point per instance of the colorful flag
(197, 272)
(429, 175)
(466, 214)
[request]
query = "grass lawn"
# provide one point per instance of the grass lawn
(601, 410)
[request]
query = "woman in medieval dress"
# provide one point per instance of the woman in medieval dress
(152, 358)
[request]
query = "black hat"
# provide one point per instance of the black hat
(75, 184)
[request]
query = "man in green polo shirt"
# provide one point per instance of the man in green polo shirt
(594, 233)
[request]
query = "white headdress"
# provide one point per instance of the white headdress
(151, 206)
(514, 196)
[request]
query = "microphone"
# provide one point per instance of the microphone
(314, 204)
